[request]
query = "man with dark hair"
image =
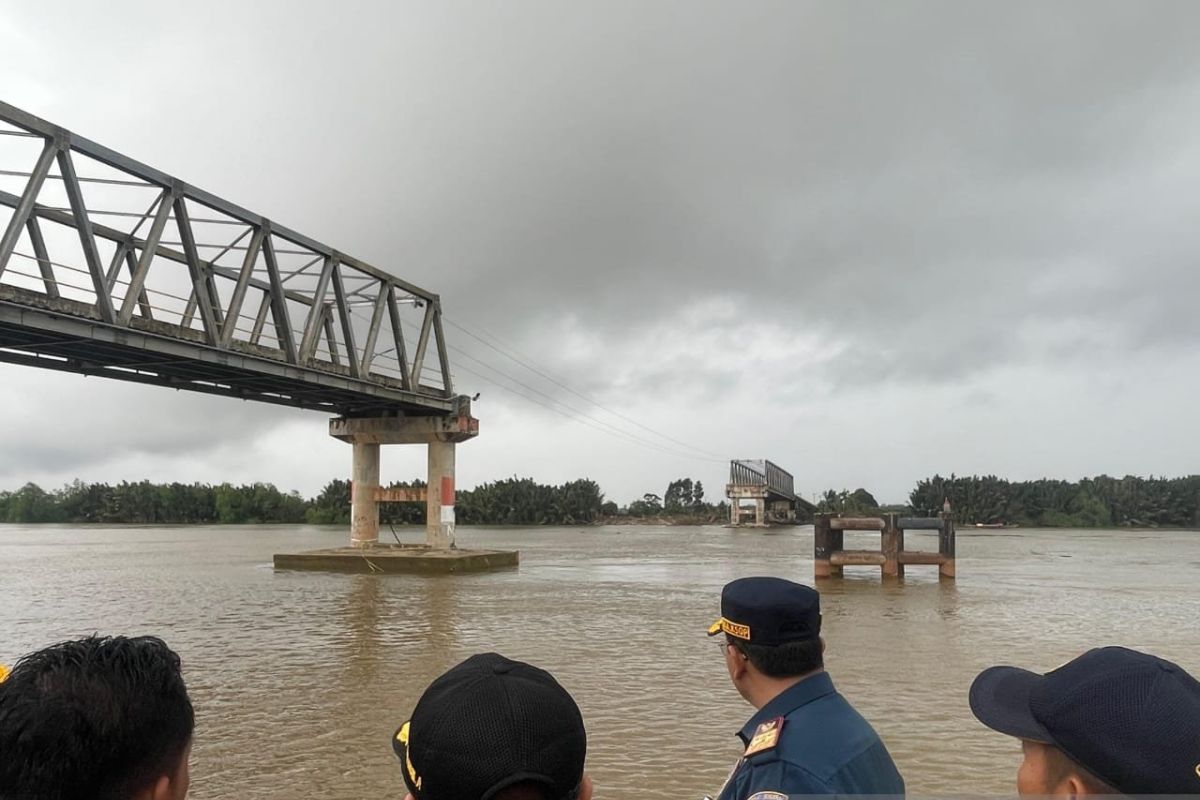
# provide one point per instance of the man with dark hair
(1112, 721)
(494, 729)
(805, 739)
(100, 718)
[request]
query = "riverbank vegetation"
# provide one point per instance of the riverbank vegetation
(1092, 502)
(511, 501)
(1099, 502)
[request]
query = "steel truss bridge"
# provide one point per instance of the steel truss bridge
(770, 486)
(110, 267)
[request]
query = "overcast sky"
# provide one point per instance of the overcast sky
(867, 241)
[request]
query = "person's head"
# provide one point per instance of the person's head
(1112, 721)
(772, 630)
(492, 728)
(100, 718)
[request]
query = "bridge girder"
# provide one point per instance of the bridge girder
(175, 313)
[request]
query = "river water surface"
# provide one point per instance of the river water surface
(299, 679)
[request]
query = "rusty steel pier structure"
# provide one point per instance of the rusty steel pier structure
(111, 268)
(830, 555)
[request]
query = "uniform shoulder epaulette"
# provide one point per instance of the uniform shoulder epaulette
(765, 737)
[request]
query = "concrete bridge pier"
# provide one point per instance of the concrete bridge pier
(366, 494)
(364, 487)
(439, 434)
(439, 495)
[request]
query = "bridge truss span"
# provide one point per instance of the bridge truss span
(111, 267)
(770, 487)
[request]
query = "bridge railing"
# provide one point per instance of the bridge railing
(779, 480)
(746, 473)
(93, 233)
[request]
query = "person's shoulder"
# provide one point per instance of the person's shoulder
(775, 778)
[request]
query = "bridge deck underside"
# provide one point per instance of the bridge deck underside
(67, 343)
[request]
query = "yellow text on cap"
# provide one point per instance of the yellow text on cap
(735, 629)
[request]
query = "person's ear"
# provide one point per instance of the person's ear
(585, 787)
(821, 639)
(1076, 787)
(740, 663)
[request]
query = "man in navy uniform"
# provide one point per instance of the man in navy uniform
(805, 738)
(1112, 721)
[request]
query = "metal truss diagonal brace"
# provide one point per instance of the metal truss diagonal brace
(43, 257)
(279, 310)
(25, 206)
(343, 309)
(137, 281)
(87, 240)
(422, 345)
(316, 313)
(368, 353)
(398, 335)
(239, 290)
(203, 291)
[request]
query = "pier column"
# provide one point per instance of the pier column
(439, 433)
(439, 496)
(891, 546)
(364, 503)
(760, 509)
(821, 547)
(946, 545)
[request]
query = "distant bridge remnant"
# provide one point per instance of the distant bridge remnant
(770, 487)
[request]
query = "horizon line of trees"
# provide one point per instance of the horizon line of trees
(510, 501)
(1101, 501)
(1098, 502)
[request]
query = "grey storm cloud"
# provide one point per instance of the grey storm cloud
(899, 178)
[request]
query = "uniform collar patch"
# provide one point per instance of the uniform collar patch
(765, 737)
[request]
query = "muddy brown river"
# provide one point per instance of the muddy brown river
(299, 679)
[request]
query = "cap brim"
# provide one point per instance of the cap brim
(999, 698)
(715, 628)
(400, 748)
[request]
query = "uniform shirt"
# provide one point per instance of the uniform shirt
(824, 747)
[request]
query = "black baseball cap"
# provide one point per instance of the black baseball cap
(487, 724)
(768, 611)
(1129, 718)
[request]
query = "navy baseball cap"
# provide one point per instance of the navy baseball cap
(487, 724)
(768, 611)
(1129, 718)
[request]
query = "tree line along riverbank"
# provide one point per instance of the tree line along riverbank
(1097, 502)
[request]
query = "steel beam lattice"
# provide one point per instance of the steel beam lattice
(111, 267)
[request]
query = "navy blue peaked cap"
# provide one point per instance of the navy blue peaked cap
(768, 611)
(1129, 718)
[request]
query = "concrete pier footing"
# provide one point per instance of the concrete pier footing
(388, 559)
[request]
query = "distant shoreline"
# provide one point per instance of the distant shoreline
(613, 522)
